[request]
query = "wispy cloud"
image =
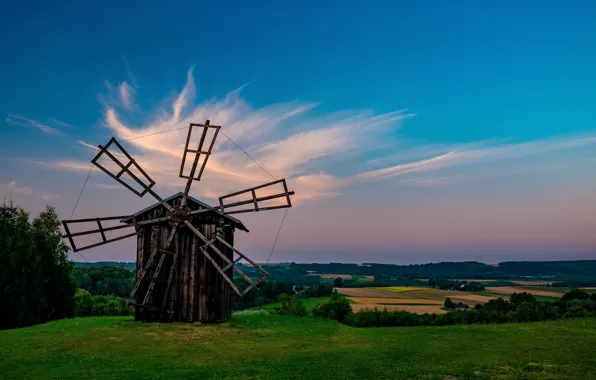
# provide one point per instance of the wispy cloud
(70, 165)
(475, 154)
(49, 197)
(129, 71)
(289, 141)
(26, 122)
(284, 138)
(127, 95)
(109, 187)
(61, 123)
(14, 188)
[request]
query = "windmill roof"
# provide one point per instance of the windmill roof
(237, 223)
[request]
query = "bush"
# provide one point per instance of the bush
(291, 305)
(337, 308)
(83, 303)
(575, 311)
(87, 305)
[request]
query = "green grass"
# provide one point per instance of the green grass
(361, 278)
(309, 303)
(400, 289)
(274, 347)
(508, 296)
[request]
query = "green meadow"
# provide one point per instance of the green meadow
(276, 347)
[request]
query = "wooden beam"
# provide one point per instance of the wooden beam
(94, 219)
(103, 235)
(171, 275)
(241, 203)
(103, 242)
(153, 279)
(221, 240)
(100, 230)
(225, 277)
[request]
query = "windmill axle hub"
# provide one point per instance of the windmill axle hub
(180, 215)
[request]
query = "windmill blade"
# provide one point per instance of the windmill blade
(145, 271)
(99, 230)
(230, 264)
(145, 183)
(230, 208)
(193, 176)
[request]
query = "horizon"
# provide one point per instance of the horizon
(410, 132)
(370, 263)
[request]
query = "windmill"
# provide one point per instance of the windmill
(185, 252)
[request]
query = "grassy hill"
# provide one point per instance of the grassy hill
(265, 346)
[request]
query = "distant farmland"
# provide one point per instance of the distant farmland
(414, 299)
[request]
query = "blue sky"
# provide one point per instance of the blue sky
(433, 130)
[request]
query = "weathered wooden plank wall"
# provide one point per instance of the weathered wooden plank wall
(198, 293)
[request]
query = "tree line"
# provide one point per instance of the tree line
(521, 307)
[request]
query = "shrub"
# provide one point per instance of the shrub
(575, 311)
(87, 305)
(337, 308)
(291, 305)
(83, 303)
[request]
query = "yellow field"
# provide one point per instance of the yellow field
(418, 309)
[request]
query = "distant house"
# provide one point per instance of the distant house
(460, 305)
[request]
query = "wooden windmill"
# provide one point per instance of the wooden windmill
(186, 257)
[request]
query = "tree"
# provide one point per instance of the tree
(34, 269)
(432, 282)
(575, 294)
(338, 282)
(448, 304)
(83, 303)
(519, 298)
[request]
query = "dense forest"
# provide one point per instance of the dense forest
(572, 273)
(583, 271)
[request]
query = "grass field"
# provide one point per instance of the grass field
(309, 303)
(274, 347)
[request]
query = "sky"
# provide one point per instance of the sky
(411, 132)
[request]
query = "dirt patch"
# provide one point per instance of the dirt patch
(513, 289)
